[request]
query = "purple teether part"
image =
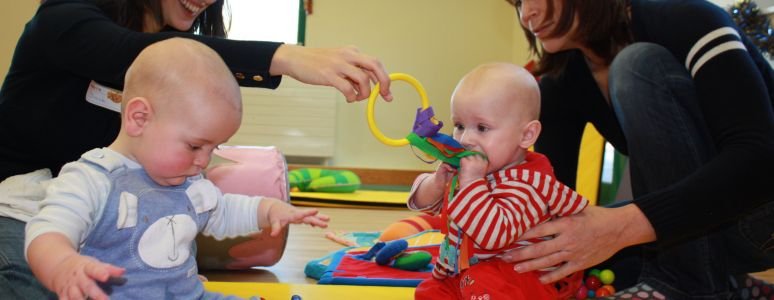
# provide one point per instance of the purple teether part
(423, 126)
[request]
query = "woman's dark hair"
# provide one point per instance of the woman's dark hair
(131, 13)
(603, 26)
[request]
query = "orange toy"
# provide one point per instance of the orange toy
(410, 226)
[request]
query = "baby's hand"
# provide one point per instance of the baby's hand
(442, 175)
(472, 168)
(76, 277)
(282, 213)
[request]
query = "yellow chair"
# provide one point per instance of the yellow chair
(591, 163)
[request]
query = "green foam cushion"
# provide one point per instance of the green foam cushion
(324, 180)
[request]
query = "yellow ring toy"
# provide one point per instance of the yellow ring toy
(372, 102)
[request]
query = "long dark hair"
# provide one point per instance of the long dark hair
(603, 26)
(130, 14)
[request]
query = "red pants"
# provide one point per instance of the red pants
(492, 279)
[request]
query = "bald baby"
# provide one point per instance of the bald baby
(180, 102)
(509, 87)
(495, 110)
(167, 71)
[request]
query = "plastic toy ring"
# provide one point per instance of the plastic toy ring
(372, 102)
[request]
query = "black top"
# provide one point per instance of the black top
(45, 120)
(734, 90)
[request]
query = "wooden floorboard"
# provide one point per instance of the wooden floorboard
(767, 276)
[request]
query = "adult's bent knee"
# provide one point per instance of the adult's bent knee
(639, 57)
(644, 69)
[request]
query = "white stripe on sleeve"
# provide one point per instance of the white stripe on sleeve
(705, 40)
(727, 46)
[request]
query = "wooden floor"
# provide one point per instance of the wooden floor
(768, 276)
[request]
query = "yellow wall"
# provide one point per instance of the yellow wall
(12, 19)
(436, 41)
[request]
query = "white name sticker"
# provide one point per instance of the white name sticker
(103, 96)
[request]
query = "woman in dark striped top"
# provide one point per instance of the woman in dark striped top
(676, 86)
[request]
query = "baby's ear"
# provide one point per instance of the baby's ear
(530, 133)
(136, 115)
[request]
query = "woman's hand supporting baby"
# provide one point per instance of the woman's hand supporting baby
(606, 230)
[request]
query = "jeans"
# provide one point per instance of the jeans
(16, 279)
(654, 99)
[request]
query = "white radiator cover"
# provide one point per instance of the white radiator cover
(297, 118)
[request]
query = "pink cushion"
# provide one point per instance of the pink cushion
(259, 171)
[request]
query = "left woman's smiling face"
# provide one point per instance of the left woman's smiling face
(180, 14)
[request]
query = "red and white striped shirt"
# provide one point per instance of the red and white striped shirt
(493, 212)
